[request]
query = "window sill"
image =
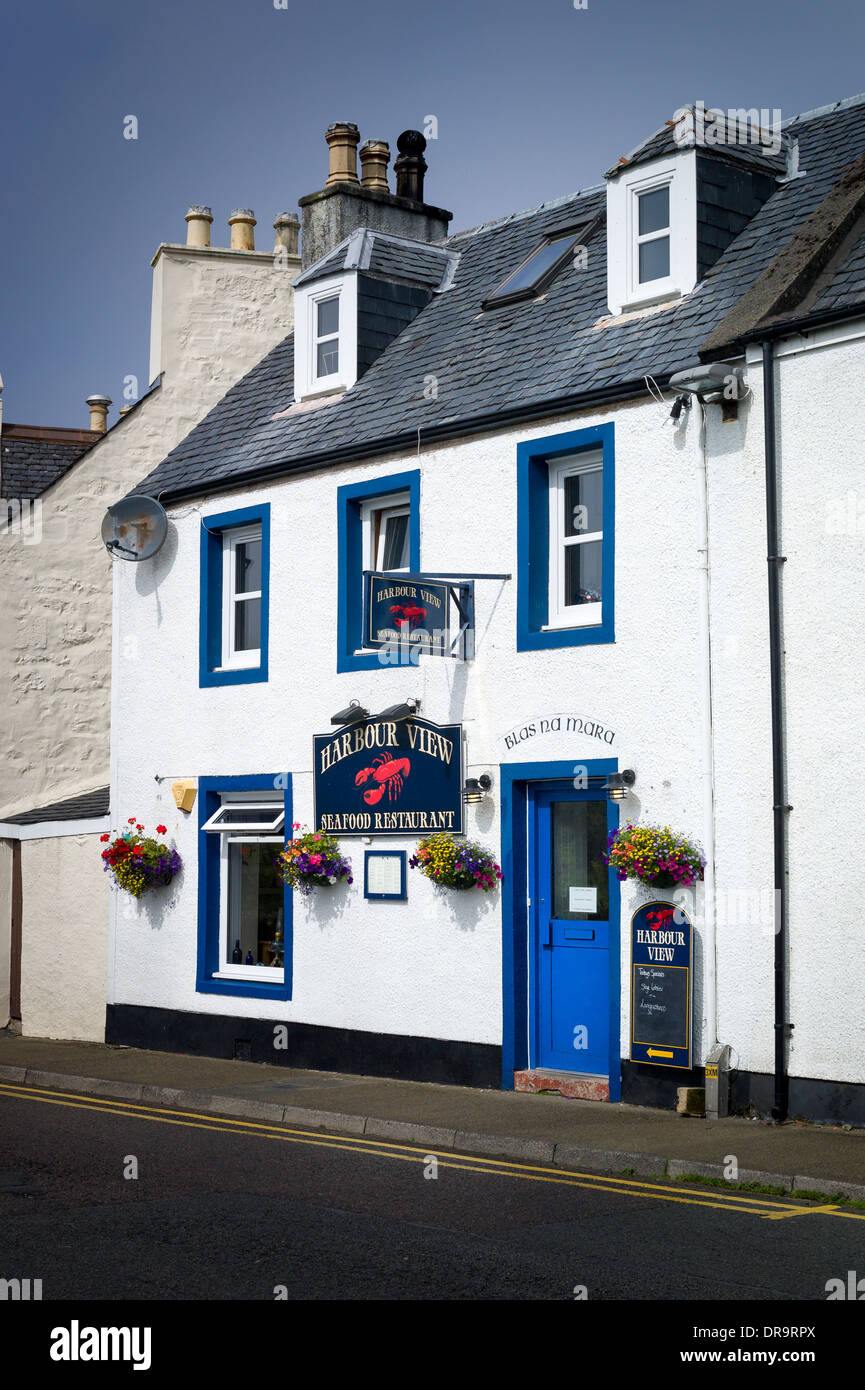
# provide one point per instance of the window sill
(260, 975)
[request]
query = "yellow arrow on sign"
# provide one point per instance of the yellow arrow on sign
(654, 1052)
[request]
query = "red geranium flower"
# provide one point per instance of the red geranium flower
(131, 820)
(162, 829)
(103, 838)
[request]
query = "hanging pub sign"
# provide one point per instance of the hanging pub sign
(389, 777)
(413, 615)
(661, 995)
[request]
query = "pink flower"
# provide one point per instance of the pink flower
(295, 825)
(315, 859)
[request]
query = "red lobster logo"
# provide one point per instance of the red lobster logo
(389, 773)
(409, 615)
(660, 918)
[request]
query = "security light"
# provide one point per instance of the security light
(354, 713)
(708, 380)
(405, 710)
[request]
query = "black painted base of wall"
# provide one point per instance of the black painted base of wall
(447, 1062)
(751, 1093)
(319, 1049)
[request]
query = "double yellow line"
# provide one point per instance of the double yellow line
(770, 1209)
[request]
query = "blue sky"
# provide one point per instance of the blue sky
(533, 100)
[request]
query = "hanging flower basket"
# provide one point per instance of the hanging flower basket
(312, 860)
(655, 855)
(138, 862)
(453, 863)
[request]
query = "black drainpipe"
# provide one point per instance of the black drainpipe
(780, 807)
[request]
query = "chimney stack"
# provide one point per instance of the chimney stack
(374, 159)
(287, 229)
(242, 222)
(198, 220)
(410, 166)
(342, 139)
(99, 412)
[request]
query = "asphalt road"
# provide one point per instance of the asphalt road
(224, 1210)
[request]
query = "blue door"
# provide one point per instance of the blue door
(574, 899)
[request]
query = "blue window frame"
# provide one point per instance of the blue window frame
(351, 500)
(541, 466)
(216, 535)
(211, 790)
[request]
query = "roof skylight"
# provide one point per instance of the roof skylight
(536, 272)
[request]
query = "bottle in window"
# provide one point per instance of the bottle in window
(237, 954)
(249, 960)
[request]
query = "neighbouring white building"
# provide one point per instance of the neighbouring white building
(493, 409)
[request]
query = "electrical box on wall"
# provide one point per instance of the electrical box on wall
(184, 793)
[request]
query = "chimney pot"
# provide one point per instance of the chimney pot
(287, 228)
(410, 166)
(374, 158)
(99, 412)
(242, 222)
(342, 138)
(198, 220)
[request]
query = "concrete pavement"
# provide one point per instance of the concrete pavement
(549, 1129)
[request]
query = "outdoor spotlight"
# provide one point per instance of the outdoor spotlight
(353, 714)
(476, 788)
(681, 403)
(619, 784)
(404, 710)
(709, 381)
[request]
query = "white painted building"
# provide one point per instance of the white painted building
(452, 401)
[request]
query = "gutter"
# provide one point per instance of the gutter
(780, 808)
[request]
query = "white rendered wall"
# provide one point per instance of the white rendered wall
(818, 403)
(64, 936)
(431, 966)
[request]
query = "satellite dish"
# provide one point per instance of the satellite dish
(134, 528)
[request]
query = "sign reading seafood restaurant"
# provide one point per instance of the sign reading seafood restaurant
(399, 610)
(389, 777)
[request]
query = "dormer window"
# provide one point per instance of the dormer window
(325, 336)
(652, 241)
(652, 232)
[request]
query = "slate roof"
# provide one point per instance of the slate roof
(31, 458)
(385, 257)
(514, 362)
(87, 806)
(663, 142)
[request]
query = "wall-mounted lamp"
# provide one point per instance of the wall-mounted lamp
(476, 788)
(405, 710)
(354, 713)
(619, 784)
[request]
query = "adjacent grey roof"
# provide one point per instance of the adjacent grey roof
(516, 361)
(88, 806)
(385, 257)
(29, 464)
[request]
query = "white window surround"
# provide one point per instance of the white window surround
(227, 970)
(306, 301)
(242, 659)
(678, 172)
(560, 614)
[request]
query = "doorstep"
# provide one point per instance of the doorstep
(576, 1085)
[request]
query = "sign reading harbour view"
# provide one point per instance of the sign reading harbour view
(661, 945)
(389, 777)
(410, 614)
